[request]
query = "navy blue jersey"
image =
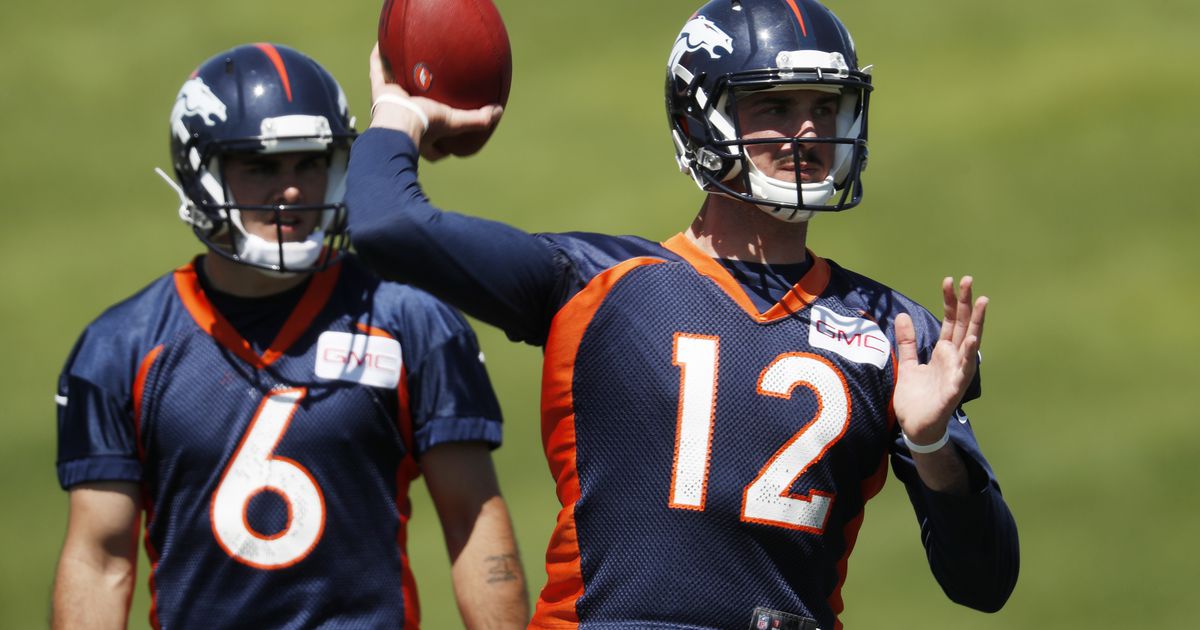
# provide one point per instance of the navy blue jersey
(274, 480)
(711, 458)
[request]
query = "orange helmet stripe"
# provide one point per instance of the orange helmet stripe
(799, 18)
(273, 55)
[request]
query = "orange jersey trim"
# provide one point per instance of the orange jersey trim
(803, 293)
(139, 392)
(869, 488)
(373, 331)
(556, 607)
(320, 287)
(405, 474)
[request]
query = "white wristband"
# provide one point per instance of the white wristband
(927, 448)
(406, 103)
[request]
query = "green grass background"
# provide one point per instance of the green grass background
(1049, 148)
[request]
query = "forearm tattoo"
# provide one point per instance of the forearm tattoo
(503, 568)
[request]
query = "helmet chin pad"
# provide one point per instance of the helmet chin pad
(768, 189)
(297, 255)
(263, 254)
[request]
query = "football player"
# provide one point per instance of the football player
(718, 407)
(267, 405)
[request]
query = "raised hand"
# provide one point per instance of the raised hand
(426, 121)
(928, 393)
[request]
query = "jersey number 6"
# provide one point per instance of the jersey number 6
(253, 470)
(768, 499)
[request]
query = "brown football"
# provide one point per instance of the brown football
(452, 51)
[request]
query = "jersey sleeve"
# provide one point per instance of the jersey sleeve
(492, 271)
(96, 436)
(970, 541)
(450, 395)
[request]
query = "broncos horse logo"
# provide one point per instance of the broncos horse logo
(196, 99)
(700, 32)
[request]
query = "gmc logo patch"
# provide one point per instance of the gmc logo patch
(366, 359)
(860, 340)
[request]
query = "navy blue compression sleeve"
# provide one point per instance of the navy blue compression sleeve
(971, 540)
(491, 271)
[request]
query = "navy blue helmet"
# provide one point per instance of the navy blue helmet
(731, 48)
(260, 99)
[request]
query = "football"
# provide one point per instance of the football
(452, 51)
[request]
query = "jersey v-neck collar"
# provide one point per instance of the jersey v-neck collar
(210, 320)
(803, 293)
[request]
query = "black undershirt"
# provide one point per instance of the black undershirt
(766, 284)
(257, 319)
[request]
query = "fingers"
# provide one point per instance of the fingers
(949, 309)
(975, 330)
(906, 339)
(430, 152)
(446, 122)
(458, 121)
(962, 319)
(376, 71)
(433, 122)
(381, 79)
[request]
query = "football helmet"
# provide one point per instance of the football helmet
(260, 99)
(732, 48)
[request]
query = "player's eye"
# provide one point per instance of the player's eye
(775, 108)
(826, 108)
(314, 163)
(257, 169)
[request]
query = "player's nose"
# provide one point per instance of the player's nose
(290, 195)
(805, 128)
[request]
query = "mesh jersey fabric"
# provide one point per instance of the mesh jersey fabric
(637, 552)
(158, 391)
(610, 312)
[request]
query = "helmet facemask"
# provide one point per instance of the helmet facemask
(221, 227)
(723, 165)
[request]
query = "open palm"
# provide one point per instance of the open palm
(927, 393)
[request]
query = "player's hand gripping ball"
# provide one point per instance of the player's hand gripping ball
(452, 51)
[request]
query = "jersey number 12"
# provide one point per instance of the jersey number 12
(767, 499)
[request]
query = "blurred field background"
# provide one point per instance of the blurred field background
(1049, 148)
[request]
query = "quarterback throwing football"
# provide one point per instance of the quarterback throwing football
(717, 407)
